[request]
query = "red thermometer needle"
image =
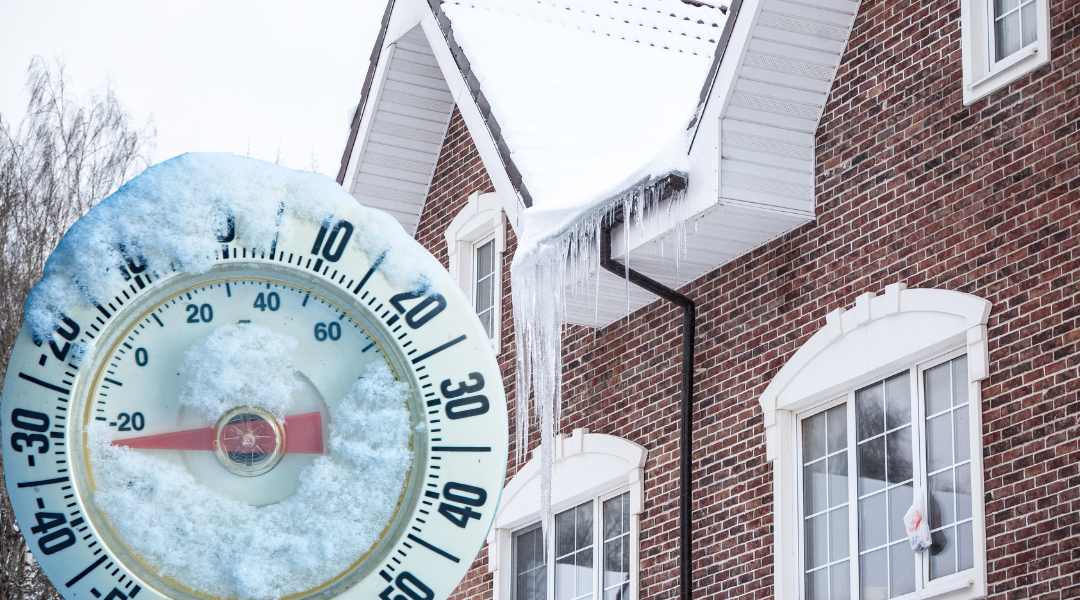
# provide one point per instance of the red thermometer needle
(303, 435)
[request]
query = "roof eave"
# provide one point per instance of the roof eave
(354, 129)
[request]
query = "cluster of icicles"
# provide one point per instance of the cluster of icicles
(540, 277)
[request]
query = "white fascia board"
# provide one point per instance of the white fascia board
(474, 120)
(703, 188)
(403, 17)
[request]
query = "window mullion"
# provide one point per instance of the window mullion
(853, 498)
(919, 479)
(598, 543)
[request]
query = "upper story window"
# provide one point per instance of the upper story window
(486, 276)
(875, 412)
(909, 436)
(475, 243)
(1001, 40)
(596, 499)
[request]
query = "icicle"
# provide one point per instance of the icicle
(538, 283)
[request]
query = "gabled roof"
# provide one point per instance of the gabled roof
(578, 97)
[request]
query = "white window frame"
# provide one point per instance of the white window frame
(983, 74)
(588, 466)
(881, 336)
(482, 219)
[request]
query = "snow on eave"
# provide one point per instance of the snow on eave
(482, 104)
(673, 161)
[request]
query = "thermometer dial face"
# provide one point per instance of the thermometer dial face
(287, 424)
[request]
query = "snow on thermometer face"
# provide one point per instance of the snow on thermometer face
(299, 418)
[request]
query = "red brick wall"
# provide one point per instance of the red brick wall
(912, 186)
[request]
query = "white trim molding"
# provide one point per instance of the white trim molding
(982, 74)
(879, 336)
(587, 465)
(481, 219)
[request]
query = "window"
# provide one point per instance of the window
(475, 242)
(909, 437)
(1001, 40)
(1015, 27)
(579, 545)
(486, 276)
(596, 499)
(879, 409)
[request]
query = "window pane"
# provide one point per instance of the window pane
(530, 572)
(1027, 18)
(817, 541)
(938, 389)
(574, 552)
(939, 450)
(838, 534)
(874, 575)
(837, 425)
(584, 525)
(564, 577)
(1007, 35)
(483, 294)
(872, 524)
(965, 549)
(815, 486)
(901, 570)
(817, 585)
(484, 255)
(897, 400)
(899, 455)
(613, 521)
(962, 431)
(959, 380)
(942, 503)
(871, 464)
(616, 546)
(943, 553)
(870, 411)
(963, 492)
(813, 438)
(838, 482)
(900, 499)
(584, 574)
(840, 577)
(564, 533)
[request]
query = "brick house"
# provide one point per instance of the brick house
(879, 232)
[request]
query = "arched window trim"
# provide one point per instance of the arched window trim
(481, 219)
(880, 335)
(614, 464)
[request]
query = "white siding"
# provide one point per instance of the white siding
(410, 118)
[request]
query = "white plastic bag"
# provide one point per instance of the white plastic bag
(918, 528)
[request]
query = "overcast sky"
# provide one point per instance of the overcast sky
(267, 78)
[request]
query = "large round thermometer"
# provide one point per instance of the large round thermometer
(290, 420)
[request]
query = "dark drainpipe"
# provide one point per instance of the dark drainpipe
(686, 589)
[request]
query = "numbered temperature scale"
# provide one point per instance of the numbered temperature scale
(317, 287)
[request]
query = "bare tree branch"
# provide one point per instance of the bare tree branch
(65, 156)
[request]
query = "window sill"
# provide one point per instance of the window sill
(954, 587)
(1004, 65)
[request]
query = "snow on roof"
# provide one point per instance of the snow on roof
(590, 95)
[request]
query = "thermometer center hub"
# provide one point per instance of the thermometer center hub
(249, 441)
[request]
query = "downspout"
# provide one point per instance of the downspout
(686, 591)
